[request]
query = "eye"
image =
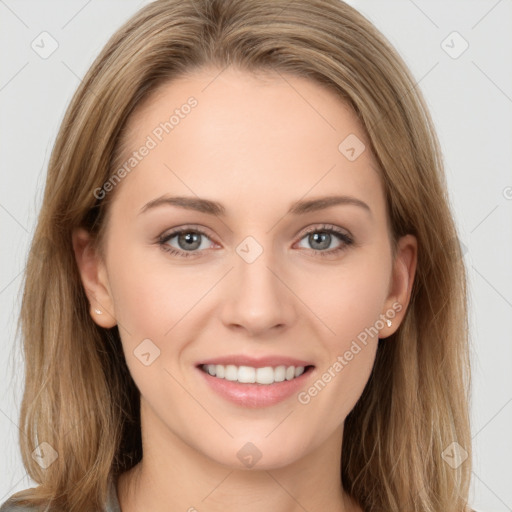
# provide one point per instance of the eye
(321, 238)
(192, 241)
(189, 241)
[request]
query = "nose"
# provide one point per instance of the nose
(258, 298)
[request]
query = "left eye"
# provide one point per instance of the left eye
(188, 240)
(320, 239)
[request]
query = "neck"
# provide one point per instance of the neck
(175, 476)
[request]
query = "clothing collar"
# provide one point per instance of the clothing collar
(112, 500)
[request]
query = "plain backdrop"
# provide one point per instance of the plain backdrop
(461, 55)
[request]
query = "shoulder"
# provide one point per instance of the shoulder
(12, 506)
(16, 504)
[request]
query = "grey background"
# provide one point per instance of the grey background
(470, 98)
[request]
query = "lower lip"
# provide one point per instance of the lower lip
(255, 395)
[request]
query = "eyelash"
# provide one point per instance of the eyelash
(329, 229)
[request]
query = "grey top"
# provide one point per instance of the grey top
(112, 504)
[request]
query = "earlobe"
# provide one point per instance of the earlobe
(404, 271)
(94, 279)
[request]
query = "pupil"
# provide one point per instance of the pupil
(323, 244)
(189, 238)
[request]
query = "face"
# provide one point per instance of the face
(248, 265)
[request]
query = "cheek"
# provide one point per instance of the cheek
(350, 309)
(148, 298)
(348, 299)
(151, 304)
(156, 306)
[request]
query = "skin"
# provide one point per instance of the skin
(256, 144)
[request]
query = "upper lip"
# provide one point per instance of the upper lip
(255, 362)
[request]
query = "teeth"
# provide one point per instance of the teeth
(231, 372)
(220, 371)
(250, 375)
(280, 373)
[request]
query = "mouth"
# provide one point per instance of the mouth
(255, 383)
(264, 376)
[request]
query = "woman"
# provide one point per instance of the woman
(245, 289)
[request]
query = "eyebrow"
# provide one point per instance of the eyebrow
(215, 208)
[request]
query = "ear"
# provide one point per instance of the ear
(404, 269)
(94, 279)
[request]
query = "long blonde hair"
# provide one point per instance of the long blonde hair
(79, 396)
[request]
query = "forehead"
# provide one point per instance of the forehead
(254, 138)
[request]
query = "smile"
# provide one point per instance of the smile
(254, 383)
(251, 375)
